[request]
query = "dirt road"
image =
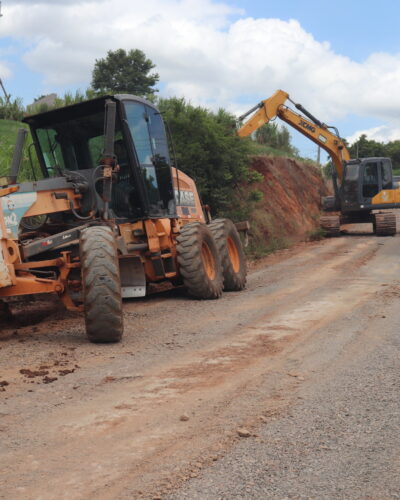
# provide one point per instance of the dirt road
(306, 360)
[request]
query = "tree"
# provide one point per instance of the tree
(209, 151)
(276, 137)
(367, 148)
(124, 72)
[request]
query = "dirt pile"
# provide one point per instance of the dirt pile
(290, 208)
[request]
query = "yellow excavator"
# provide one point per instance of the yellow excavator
(364, 190)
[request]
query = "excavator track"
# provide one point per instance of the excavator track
(330, 224)
(385, 224)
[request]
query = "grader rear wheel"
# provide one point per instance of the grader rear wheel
(230, 250)
(198, 261)
(101, 285)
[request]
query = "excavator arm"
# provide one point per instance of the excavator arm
(307, 125)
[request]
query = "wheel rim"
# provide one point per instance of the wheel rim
(233, 255)
(208, 261)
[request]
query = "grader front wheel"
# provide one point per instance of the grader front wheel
(198, 261)
(101, 285)
(230, 250)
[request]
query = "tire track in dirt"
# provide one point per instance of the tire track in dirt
(122, 434)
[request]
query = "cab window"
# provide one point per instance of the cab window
(387, 182)
(370, 180)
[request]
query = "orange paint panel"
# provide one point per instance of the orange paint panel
(387, 196)
(30, 285)
(46, 202)
(185, 183)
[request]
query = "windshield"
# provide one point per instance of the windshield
(73, 144)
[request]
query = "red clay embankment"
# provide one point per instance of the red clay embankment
(290, 208)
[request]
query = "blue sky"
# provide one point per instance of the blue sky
(354, 27)
(341, 60)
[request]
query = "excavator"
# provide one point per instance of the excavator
(364, 190)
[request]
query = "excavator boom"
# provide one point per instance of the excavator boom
(312, 128)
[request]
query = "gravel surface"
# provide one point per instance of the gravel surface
(288, 389)
(339, 440)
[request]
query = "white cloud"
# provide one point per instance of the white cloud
(5, 71)
(383, 133)
(207, 51)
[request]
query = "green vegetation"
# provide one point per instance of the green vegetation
(316, 234)
(124, 73)
(12, 109)
(68, 99)
(205, 144)
(367, 148)
(276, 139)
(8, 134)
(208, 150)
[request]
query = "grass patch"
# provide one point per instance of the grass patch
(316, 234)
(8, 136)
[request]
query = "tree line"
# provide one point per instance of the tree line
(369, 148)
(205, 144)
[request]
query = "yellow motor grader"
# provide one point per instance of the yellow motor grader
(109, 215)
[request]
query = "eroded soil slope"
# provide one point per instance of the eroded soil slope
(290, 208)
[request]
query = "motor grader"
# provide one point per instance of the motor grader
(108, 216)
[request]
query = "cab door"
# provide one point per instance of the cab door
(377, 177)
(149, 140)
(350, 187)
(371, 180)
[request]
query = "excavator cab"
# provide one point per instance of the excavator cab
(363, 179)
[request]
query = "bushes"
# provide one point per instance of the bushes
(208, 150)
(12, 109)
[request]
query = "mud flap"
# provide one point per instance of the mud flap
(133, 279)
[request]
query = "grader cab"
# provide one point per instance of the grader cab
(109, 215)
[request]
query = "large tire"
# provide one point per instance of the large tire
(101, 284)
(384, 224)
(199, 263)
(230, 250)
